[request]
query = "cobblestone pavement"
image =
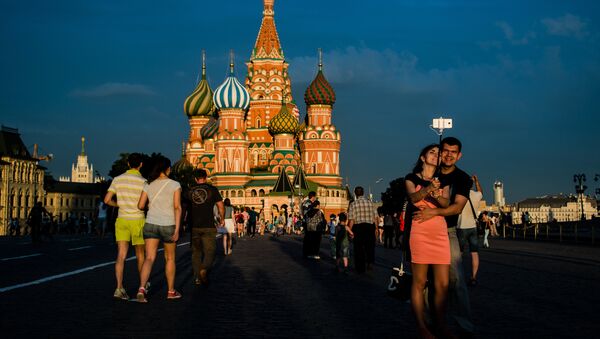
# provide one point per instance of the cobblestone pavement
(265, 289)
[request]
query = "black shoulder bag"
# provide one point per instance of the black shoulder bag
(479, 224)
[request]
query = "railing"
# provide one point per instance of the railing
(583, 232)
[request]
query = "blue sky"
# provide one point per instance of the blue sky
(521, 79)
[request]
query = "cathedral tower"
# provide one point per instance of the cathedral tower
(231, 141)
(283, 128)
(266, 80)
(320, 141)
(199, 108)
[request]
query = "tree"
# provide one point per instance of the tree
(120, 165)
(394, 196)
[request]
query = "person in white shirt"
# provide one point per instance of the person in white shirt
(467, 228)
(163, 196)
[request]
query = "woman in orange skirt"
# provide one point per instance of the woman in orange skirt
(429, 243)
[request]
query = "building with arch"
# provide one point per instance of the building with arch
(246, 135)
(21, 178)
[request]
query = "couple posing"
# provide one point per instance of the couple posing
(436, 198)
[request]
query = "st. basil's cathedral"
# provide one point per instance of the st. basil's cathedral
(249, 139)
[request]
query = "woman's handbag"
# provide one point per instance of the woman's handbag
(480, 224)
(400, 283)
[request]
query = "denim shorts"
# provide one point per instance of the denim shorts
(164, 233)
(468, 235)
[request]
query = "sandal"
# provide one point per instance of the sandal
(141, 295)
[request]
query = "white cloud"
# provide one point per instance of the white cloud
(509, 34)
(112, 89)
(369, 67)
(567, 25)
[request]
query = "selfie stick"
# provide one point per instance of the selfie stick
(438, 126)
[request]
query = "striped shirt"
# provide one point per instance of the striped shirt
(128, 188)
(362, 211)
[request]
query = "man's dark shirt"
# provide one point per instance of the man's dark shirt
(35, 215)
(460, 184)
(201, 199)
(252, 217)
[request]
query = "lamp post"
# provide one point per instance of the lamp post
(580, 188)
(376, 182)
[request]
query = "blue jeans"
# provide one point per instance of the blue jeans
(459, 307)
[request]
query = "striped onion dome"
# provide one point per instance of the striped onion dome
(210, 129)
(200, 102)
(320, 91)
(231, 94)
(283, 122)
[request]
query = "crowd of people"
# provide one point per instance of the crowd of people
(439, 223)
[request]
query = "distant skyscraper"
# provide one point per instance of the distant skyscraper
(82, 171)
(499, 194)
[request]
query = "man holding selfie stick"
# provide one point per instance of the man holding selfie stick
(460, 184)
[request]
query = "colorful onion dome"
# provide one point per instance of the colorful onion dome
(283, 122)
(320, 91)
(210, 129)
(231, 94)
(200, 102)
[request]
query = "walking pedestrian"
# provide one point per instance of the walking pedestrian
(127, 187)
(315, 226)
(429, 243)
(362, 220)
(388, 229)
(101, 220)
(229, 227)
(331, 228)
(306, 210)
(163, 220)
(342, 244)
(202, 199)
(466, 230)
(34, 220)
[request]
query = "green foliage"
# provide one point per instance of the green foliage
(394, 196)
(120, 165)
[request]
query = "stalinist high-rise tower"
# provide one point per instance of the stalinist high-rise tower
(249, 137)
(82, 171)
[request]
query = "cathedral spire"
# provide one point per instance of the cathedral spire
(267, 44)
(320, 60)
(82, 146)
(203, 65)
(231, 62)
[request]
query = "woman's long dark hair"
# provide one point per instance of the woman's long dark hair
(419, 165)
(161, 165)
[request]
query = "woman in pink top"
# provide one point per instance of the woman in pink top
(429, 242)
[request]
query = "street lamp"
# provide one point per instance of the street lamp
(580, 189)
(376, 182)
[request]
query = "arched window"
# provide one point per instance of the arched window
(240, 194)
(337, 194)
(258, 122)
(253, 193)
(261, 193)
